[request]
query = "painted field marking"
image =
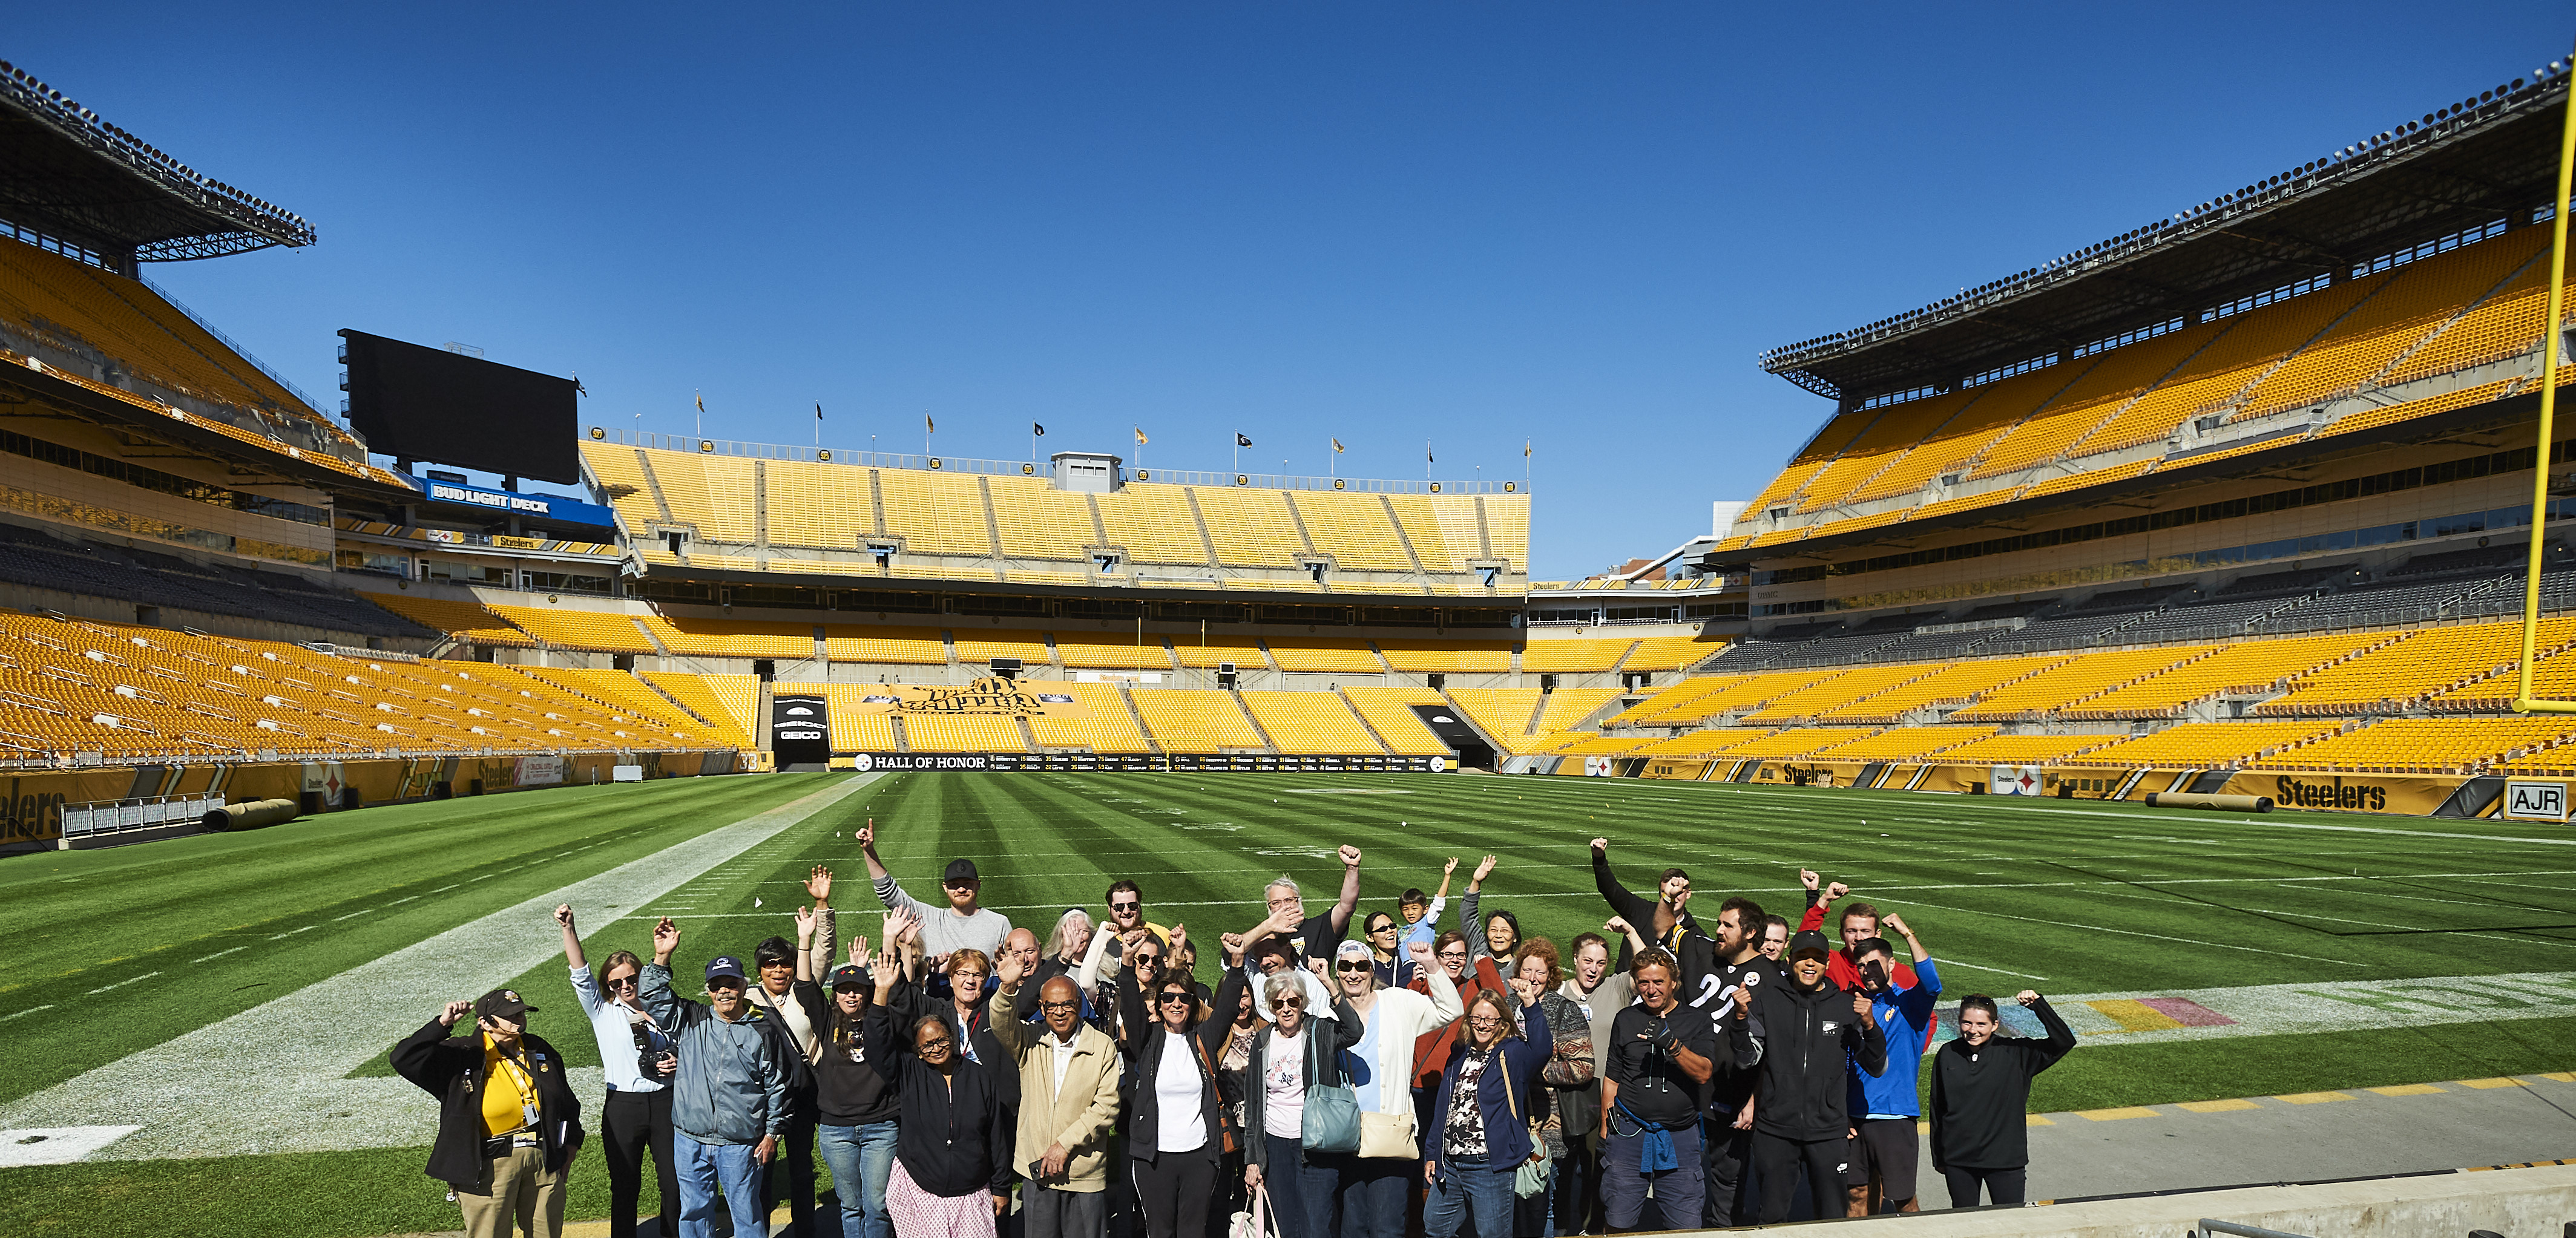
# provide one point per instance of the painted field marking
(400, 901)
(24, 1013)
(2490, 1084)
(58, 1145)
(2189, 941)
(445, 889)
(2558, 1076)
(2115, 1115)
(2217, 1106)
(484, 877)
(2411, 1089)
(235, 1088)
(2313, 1098)
(219, 954)
(363, 911)
(292, 932)
(2000, 971)
(122, 983)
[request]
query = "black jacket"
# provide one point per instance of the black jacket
(1324, 1041)
(1803, 1044)
(848, 1091)
(1143, 1048)
(952, 1135)
(1980, 1096)
(912, 1003)
(1637, 909)
(450, 1067)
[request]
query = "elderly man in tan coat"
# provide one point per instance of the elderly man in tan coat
(1068, 1103)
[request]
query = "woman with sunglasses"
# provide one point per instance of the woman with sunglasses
(1377, 1182)
(1298, 1054)
(1486, 1098)
(1180, 1112)
(1385, 939)
(637, 1056)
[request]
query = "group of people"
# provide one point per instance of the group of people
(962, 1078)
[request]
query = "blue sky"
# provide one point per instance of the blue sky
(1468, 224)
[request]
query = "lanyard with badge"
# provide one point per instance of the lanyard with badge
(527, 1086)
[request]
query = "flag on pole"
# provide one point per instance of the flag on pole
(927, 425)
(702, 401)
(1426, 453)
(1337, 446)
(1036, 430)
(1141, 440)
(818, 410)
(1240, 440)
(1525, 448)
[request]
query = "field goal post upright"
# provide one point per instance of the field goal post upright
(2550, 337)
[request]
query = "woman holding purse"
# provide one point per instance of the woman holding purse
(1482, 1134)
(1376, 1180)
(1297, 1057)
(1180, 1118)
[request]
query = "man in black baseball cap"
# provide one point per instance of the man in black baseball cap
(508, 1123)
(1806, 1036)
(962, 923)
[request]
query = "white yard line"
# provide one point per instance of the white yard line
(122, 983)
(238, 1087)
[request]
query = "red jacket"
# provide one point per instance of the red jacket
(1841, 968)
(1431, 1049)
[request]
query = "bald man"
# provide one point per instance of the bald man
(1068, 1102)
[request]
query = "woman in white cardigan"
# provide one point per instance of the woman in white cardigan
(1377, 1183)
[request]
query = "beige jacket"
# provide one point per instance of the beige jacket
(1080, 1114)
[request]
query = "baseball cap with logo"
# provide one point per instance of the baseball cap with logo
(501, 1003)
(959, 872)
(1809, 942)
(853, 975)
(723, 966)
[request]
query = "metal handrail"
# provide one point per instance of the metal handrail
(2211, 1225)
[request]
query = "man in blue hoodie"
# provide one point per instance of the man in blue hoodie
(729, 1098)
(1885, 1107)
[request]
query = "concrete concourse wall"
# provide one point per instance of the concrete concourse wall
(2533, 1201)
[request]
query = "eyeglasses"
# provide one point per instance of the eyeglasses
(1182, 999)
(1124, 906)
(623, 982)
(1486, 1023)
(940, 1043)
(1350, 967)
(959, 977)
(1453, 956)
(1288, 1003)
(774, 964)
(1058, 1005)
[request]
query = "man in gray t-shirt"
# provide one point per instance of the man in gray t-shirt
(960, 924)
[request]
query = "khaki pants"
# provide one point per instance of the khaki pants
(517, 1193)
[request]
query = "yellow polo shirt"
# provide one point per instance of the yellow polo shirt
(508, 1092)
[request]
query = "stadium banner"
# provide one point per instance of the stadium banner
(2535, 801)
(1955, 780)
(31, 816)
(1810, 773)
(542, 770)
(1145, 763)
(2399, 794)
(1676, 771)
(2017, 780)
(989, 697)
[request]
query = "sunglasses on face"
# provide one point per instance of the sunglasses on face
(623, 982)
(1124, 906)
(958, 885)
(1351, 967)
(778, 964)
(1177, 999)
(1383, 928)
(1148, 960)
(1289, 1003)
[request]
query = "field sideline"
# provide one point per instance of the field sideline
(2213, 956)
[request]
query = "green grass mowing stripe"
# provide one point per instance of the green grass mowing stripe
(249, 917)
(2105, 1076)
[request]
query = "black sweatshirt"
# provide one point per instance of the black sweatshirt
(1800, 1041)
(1980, 1096)
(847, 1088)
(952, 1138)
(1636, 909)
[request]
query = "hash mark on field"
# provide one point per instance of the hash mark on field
(122, 983)
(292, 932)
(445, 889)
(484, 877)
(220, 953)
(353, 915)
(24, 1013)
(400, 901)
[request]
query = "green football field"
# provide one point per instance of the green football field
(2201, 955)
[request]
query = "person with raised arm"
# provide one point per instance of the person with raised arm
(1857, 923)
(1496, 936)
(1297, 1055)
(1181, 1126)
(1377, 1181)
(951, 1149)
(1421, 912)
(1316, 934)
(508, 1123)
(855, 1107)
(729, 1097)
(1597, 992)
(1803, 1034)
(1659, 1055)
(960, 923)
(635, 1056)
(794, 1019)
(1069, 1074)
(1671, 885)
(1981, 1099)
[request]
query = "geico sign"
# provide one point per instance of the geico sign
(2334, 794)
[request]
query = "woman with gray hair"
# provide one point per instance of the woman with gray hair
(1298, 1054)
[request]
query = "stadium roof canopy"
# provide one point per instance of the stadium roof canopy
(2460, 166)
(68, 174)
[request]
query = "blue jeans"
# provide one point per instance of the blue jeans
(708, 1167)
(1375, 1191)
(861, 1157)
(1469, 1183)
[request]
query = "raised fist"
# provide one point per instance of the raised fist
(1807, 877)
(1350, 856)
(1835, 891)
(563, 914)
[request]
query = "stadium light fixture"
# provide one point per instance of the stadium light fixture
(2552, 331)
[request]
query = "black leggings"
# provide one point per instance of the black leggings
(635, 1122)
(1176, 1189)
(1776, 1159)
(2005, 1186)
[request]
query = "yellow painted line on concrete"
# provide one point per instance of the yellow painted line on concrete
(2115, 1115)
(2313, 1098)
(2036, 1120)
(2489, 1084)
(2560, 1076)
(2218, 1106)
(2412, 1089)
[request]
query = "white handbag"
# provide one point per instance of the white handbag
(1253, 1224)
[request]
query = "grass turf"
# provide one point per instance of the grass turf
(2061, 897)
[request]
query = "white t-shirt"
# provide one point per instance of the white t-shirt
(1179, 1124)
(1283, 1085)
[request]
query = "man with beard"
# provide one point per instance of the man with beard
(1728, 966)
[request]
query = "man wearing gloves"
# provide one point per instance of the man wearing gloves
(1803, 1035)
(508, 1124)
(729, 1097)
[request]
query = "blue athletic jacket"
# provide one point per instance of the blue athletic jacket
(1905, 1015)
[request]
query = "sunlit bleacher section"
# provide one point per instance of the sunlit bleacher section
(1574, 655)
(1692, 700)
(1504, 714)
(1672, 653)
(1699, 745)
(1447, 657)
(467, 621)
(1112, 650)
(2077, 680)
(962, 733)
(1197, 652)
(977, 647)
(1327, 655)
(1836, 690)
(1105, 725)
(1389, 713)
(1904, 743)
(2206, 745)
(2422, 663)
(2428, 745)
(730, 638)
(792, 511)
(909, 646)
(1586, 744)
(570, 628)
(2022, 749)
(1566, 708)
(1197, 720)
(1953, 683)
(731, 702)
(1318, 722)
(2249, 668)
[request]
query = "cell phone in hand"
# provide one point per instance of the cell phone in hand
(1875, 973)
